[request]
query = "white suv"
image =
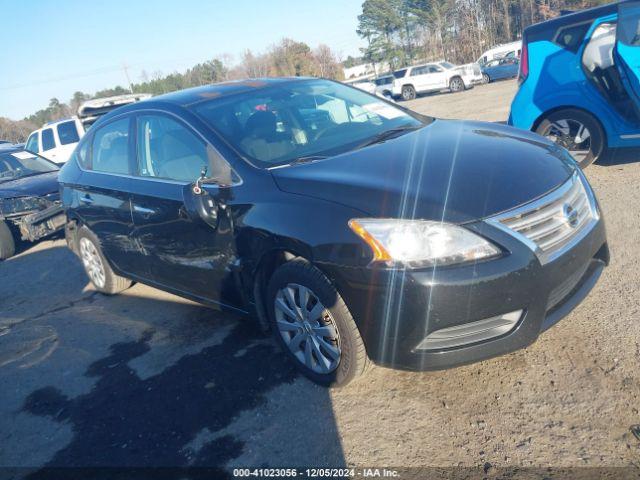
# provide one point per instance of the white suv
(57, 140)
(433, 77)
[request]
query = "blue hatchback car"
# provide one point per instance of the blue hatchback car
(500, 69)
(580, 80)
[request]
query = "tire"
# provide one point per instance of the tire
(332, 326)
(7, 242)
(96, 266)
(456, 84)
(486, 78)
(408, 93)
(563, 127)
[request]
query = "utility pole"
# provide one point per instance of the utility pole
(125, 67)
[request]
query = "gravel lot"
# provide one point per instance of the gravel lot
(149, 379)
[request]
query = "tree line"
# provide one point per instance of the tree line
(286, 58)
(402, 32)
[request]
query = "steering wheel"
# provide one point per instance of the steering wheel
(321, 132)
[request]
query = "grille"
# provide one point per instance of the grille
(555, 222)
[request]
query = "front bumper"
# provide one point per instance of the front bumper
(396, 310)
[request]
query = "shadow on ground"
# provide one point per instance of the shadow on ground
(236, 398)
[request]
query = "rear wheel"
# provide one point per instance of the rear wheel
(313, 325)
(578, 132)
(97, 267)
(7, 242)
(408, 92)
(456, 84)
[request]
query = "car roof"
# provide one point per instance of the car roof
(540, 31)
(195, 95)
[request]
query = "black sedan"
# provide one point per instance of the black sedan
(29, 200)
(354, 229)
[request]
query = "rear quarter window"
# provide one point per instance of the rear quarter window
(68, 133)
(571, 37)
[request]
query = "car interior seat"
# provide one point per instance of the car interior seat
(262, 139)
(180, 157)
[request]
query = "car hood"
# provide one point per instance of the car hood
(455, 171)
(34, 186)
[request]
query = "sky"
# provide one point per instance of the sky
(54, 48)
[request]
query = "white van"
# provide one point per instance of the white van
(57, 140)
(512, 49)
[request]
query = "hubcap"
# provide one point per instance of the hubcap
(408, 94)
(455, 86)
(572, 135)
(307, 328)
(92, 262)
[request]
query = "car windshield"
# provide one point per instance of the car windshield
(23, 164)
(303, 120)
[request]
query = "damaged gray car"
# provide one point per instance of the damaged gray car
(29, 198)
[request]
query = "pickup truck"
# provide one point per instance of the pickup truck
(57, 140)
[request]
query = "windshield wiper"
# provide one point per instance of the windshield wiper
(387, 134)
(307, 159)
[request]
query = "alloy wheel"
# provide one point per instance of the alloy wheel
(307, 328)
(92, 262)
(572, 135)
(408, 93)
(485, 78)
(457, 85)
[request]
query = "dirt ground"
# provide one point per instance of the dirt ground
(149, 379)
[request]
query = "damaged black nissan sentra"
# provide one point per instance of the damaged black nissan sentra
(354, 229)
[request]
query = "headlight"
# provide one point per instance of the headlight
(421, 243)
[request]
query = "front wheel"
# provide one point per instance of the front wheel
(96, 266)
(578, 132)
(7, 242)
(486, 78)
(313, 325)
(456, 85)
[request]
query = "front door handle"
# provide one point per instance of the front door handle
(143, 210)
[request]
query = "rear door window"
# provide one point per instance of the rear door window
(400, 73)
(68, 133)
(110, 149)
(48, 142)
